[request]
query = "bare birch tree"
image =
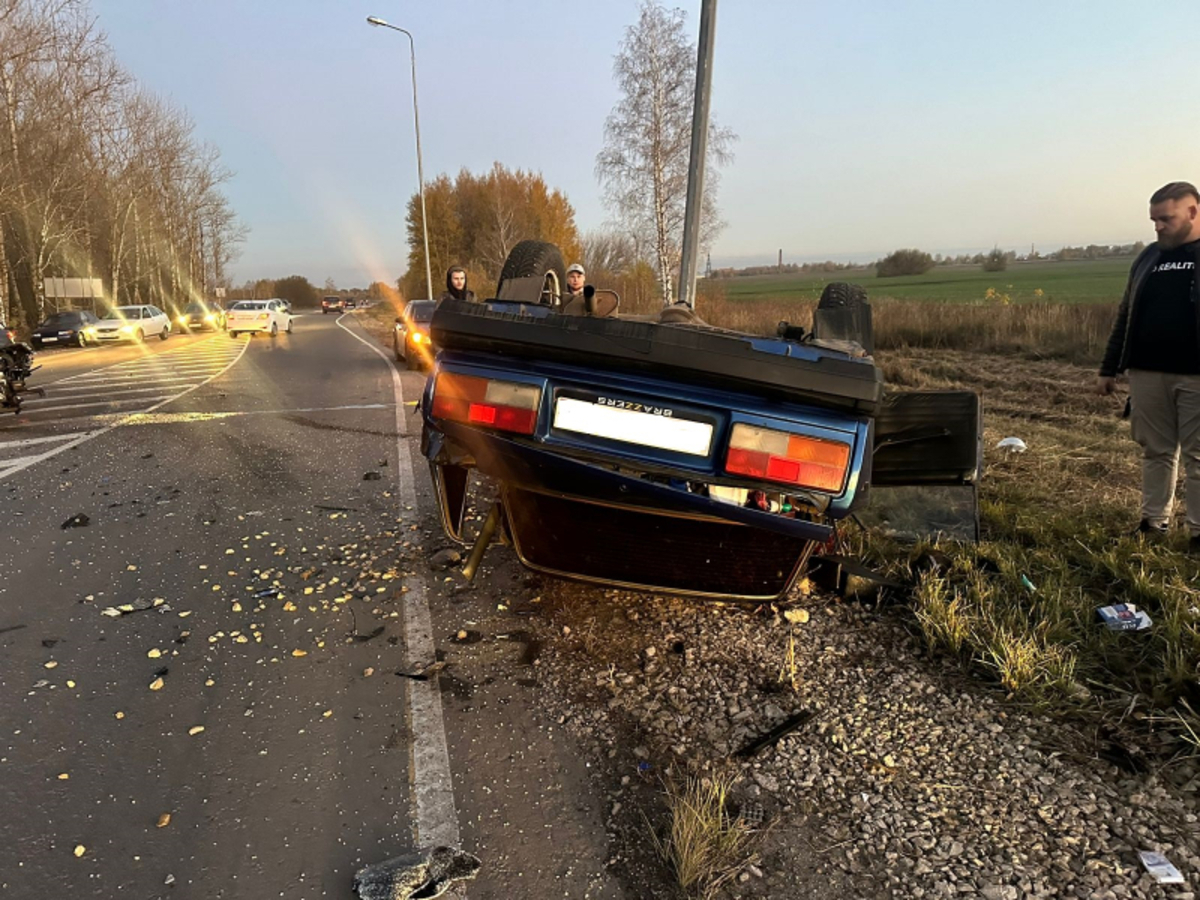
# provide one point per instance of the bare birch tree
(97, 176)
(643, 166)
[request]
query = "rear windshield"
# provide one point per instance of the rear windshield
(62, 318)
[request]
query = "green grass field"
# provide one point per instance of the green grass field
(1093, 281)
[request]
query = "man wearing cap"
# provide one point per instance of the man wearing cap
(575, 277)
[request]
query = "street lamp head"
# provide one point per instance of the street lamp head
(375, 20)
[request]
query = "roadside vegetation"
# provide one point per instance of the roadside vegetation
(99, 178)
(1020, 608)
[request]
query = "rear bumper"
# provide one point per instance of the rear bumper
(576, 519)
(249, 326)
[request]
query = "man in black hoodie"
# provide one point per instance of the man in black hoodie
(1156, 339)
(456, 286)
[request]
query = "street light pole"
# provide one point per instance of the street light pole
(375, 20)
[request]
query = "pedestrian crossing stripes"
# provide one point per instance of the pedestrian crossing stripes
(74, 405)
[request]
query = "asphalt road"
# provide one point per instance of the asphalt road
(256, 500)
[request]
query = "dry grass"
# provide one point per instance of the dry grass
(1021, 606)
(1071, 332)
(705, 844)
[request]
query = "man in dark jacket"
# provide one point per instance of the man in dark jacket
(456, 286)
(1156, 339)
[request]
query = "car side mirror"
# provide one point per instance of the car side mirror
(399, 321)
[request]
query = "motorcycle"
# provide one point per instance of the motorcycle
(16, 365)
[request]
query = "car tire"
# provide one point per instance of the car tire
(289, 326)
(396, 349)
(842, 295)
(409, 364)
(844, 313)
(274, 330)
(233, 334)
(81, 340)
(529, 259)
(139, 335)
(164, 334)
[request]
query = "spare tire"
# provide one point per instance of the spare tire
(842, 295)
(843, 314)
(533, 273)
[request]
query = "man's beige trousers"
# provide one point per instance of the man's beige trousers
(1166, 420)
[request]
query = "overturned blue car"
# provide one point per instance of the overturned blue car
(663, 454)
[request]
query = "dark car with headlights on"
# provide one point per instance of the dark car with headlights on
(67, 327)
(200, 316)
(410, 339)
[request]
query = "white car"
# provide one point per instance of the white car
(250, 316)
(131, 323)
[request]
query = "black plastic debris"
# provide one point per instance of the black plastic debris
(775, 735)
(444, 559)
(372, 476)
(425, 673)
(79, 520)
(370, 635)
(425, 873)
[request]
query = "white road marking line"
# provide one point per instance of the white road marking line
(44, 409)
(75, 393)
(437, 820)
(87, 436)
(88, 385)
(15, 460)
(29, 442)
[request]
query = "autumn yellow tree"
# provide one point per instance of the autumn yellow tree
(475, 220)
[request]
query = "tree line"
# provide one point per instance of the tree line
(99, 177)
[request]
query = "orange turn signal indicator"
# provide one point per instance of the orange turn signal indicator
(786, 458)
(504, 405)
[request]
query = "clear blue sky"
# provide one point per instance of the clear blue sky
(862, 127)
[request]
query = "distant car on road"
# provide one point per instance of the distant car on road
(258, 316)
(332, 304)
(68, 327)
(201, 315)
(131, 323)
(410, 340)
(349, 303)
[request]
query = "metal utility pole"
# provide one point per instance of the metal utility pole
(695, 188)
(412, 49)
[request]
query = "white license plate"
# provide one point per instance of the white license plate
(49, 340)
(633, 427)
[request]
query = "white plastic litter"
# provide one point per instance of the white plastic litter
(1012, 445)
(1160, 868)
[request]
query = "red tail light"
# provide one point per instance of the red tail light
(503, 405)
(787, 458)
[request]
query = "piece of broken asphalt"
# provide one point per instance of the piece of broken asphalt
(79, 520)
(424, 873)
(372, 476)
